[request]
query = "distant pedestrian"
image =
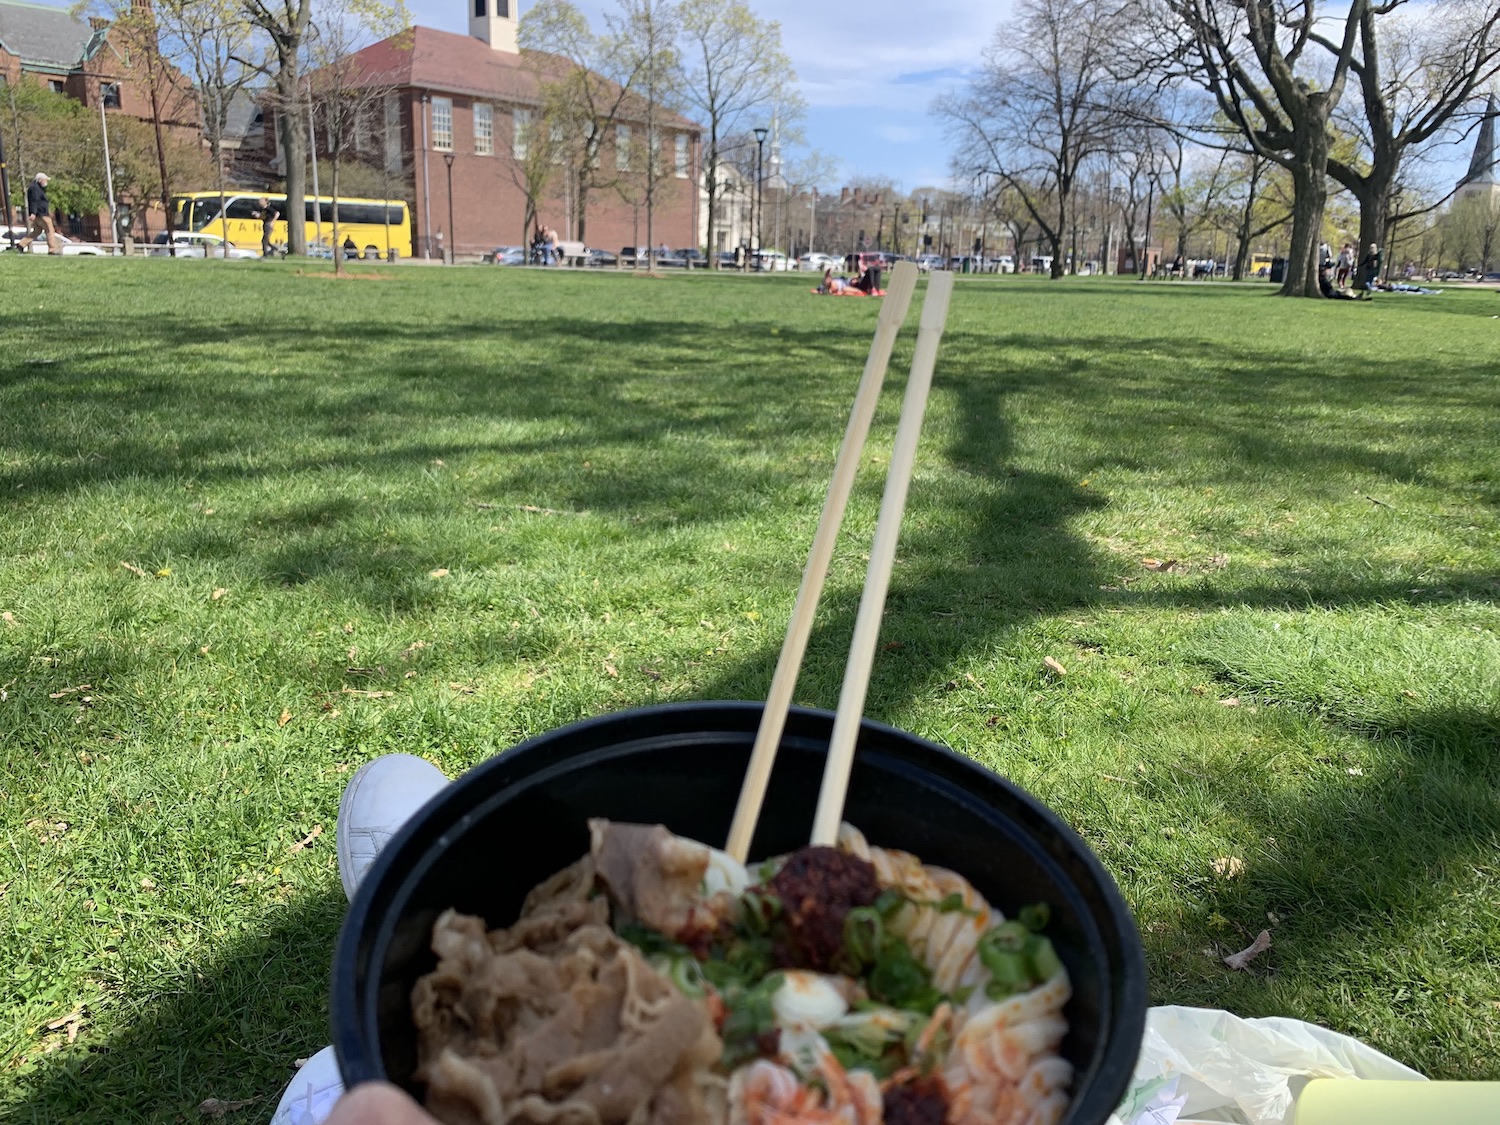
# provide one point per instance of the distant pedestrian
(1369, 271)
(552, 257)
(39, 216)
(267, 216)
(1345, 265)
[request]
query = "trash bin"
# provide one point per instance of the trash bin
(1278, 270)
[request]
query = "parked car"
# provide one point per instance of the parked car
(195, 244)
(69, 248)
(773, 261)
(727, 260)
(599, 258)
(627, 255)
(817, 261)
(693, 259)
(506, 256)
(926, 263)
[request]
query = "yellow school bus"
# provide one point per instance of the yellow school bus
(1260, 265)
(375, 226)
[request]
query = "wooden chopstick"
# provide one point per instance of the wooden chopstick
(851, 706)
(784, 680)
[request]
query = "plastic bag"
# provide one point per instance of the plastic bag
(1201, 1064)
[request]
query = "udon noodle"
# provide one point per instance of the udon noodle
(657, 982)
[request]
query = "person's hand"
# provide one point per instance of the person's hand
(378, 1103)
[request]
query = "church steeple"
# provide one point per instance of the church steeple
(494, 22)
(1482, 167)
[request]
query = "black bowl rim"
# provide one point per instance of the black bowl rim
(1127, 1012)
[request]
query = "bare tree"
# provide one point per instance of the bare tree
(1414, 75)
(343, 88)
(1252, 56)
(735, 70)
(587, 82)
(169, 94)
(1043, 106)
(533, 163)
(647, 32)
(285, 23)
(212, 36)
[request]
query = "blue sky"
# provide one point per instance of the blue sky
(868, 69)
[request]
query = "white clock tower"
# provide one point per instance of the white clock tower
(494, 22)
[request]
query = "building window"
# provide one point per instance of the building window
(56, 86)
(442, 124)
(558, 138)
(484, 129)
(479, 9)
(109, 94)
(680, 157)
(522, 126)
(622, 148)
(502, 8)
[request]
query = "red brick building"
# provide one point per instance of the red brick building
(85, 60)
(460, 106)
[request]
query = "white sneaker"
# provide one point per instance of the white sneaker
(377, 801)
(310, 1095)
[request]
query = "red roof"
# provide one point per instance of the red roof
(424, 58)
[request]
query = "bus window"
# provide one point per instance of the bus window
(205, 211)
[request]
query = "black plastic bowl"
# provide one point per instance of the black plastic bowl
(507, 824)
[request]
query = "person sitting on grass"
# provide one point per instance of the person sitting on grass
(869, 281)
(1326, 286)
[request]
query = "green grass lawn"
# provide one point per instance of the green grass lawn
(260, 526)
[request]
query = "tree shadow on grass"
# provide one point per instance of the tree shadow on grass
(988, 547)
(232, 1031)
(1372, 845)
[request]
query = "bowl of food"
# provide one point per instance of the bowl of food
(991, 972)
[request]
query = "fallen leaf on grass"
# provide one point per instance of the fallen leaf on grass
(1261, 943)
(218, 1107)
(1054, 667)
(614, 673)
(284, 718)
(70, 691)
(72, 1022)
(1355, 771)
(462, 689)
(440, 572)
(317, 830)
(1232, 701)
(135, 570)
(9, 618)
(651, 672)
(1158, 564)
(411, 650)
(1228, 867)
(218, 593)
(366, 694)
(1216, 562)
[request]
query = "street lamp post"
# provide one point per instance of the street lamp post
(760, 150)
(452, 240)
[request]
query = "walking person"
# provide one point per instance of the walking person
(267, 216)
(39, 215)
(1369, 271)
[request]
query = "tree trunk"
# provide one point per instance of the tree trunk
(1310, 195)
(294, 149)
